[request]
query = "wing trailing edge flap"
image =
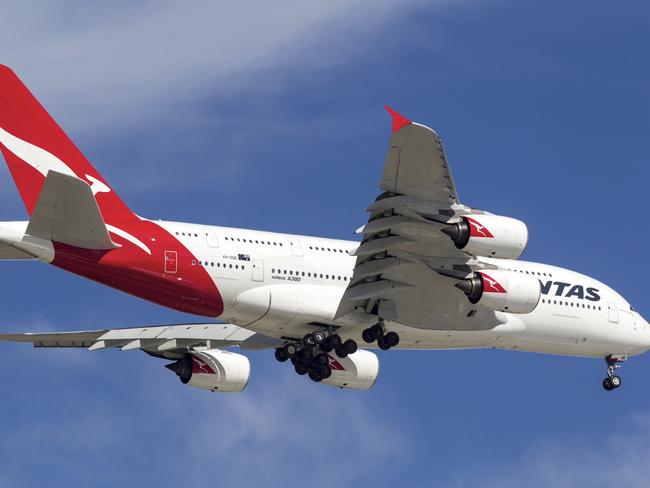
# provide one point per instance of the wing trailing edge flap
(156, 340)
(411, 293)
(66, 211)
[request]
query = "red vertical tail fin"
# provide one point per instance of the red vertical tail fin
(32, 143)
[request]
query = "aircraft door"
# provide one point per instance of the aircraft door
(171, 262)
(211, 238)
(258, 270)
(296, 248)
(613, 313)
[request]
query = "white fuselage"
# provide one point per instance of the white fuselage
(282, 285)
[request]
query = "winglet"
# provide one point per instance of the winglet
(399, 120)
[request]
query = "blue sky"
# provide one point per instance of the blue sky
(270, 116)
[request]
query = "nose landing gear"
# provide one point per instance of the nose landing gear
(612, 381)
(310, 356)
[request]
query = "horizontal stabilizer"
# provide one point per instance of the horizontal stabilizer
(66, 211)
(10, 253)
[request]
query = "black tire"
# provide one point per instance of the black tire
(368, 336)
(281, 355)
(381, 342)
(319, 336)
(306, 355)
(350, 346)
(392, 339)
(291, 349)
(300, 369)
(341, 352)
(326, 346)
(322, 359)
(295, 361)
(615, 381)
(315, 377)
(325, 372)
(377, 331)
(607, 385)
(308, 340)
(335, 341)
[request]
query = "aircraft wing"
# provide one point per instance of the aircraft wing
(168, 341)
(416, 164)
(406, 267)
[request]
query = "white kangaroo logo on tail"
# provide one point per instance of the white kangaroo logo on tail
(44, 161)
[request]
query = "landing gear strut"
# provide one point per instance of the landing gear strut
(385, 340)
(612, 381)
(310, 356)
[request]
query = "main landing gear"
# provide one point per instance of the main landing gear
(311, 356)
(385, 340)
(612, 381)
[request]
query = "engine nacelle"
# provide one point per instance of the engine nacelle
(358, 371)
(504, 291)
(489, 235)
(213, 370)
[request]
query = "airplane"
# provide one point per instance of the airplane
(428, 272)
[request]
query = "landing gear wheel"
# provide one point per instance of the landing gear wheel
(308, 340)
(300, 369)
(306, 354)
(319, 336)
(326, 372)
(335, 340)
(383, 345)
(377, 331)
(281, 355)
(291, 350)
(392, 339)
(350, 346)
(322, 359)
(315, 377)
(612, 381)
(368, 336)
(326, 346)
(341, 352)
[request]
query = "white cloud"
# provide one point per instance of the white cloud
(118, 64)
(285, 426)
(619, 458)
(133, 420)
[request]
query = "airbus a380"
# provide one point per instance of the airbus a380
(428, 272)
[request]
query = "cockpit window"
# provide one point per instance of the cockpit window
(632, 308)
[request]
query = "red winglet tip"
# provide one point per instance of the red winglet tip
(399, 120)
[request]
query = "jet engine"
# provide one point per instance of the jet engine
(504, 291)
(213, 370)
(489, 235)
(357, 371)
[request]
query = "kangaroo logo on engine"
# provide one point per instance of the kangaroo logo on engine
(567, 290)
